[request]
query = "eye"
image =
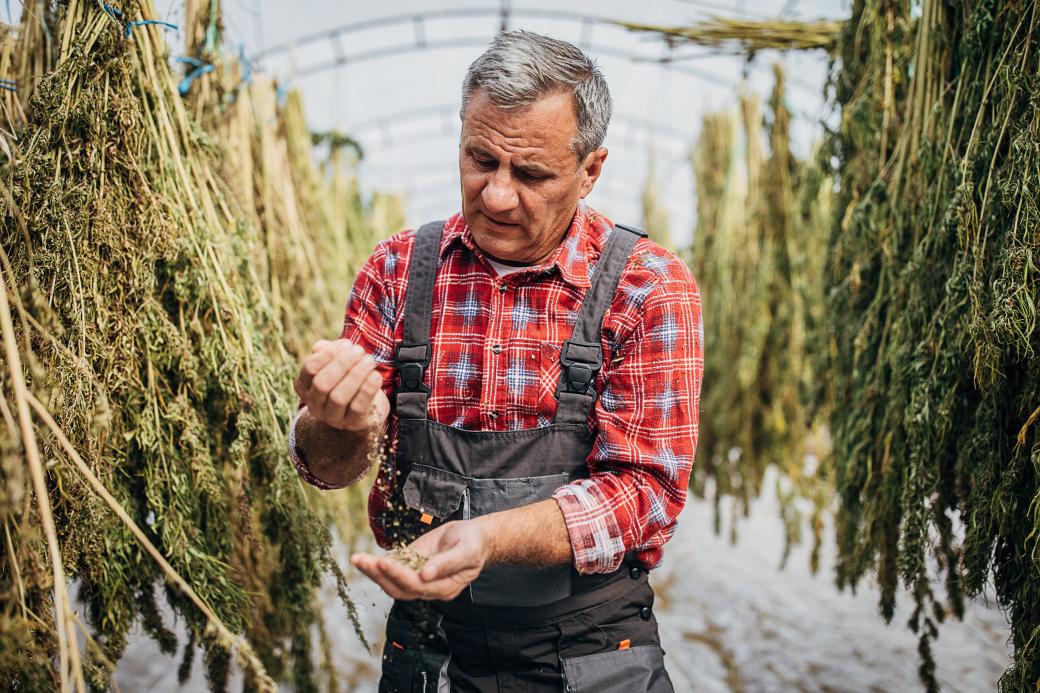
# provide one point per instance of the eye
(529, 177)
(485, 163)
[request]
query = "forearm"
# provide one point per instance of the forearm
(334, 456)
(531, 535)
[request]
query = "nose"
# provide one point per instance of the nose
(499, 194)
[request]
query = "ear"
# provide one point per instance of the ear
(590, 170)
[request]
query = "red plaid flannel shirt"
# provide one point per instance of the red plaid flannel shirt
(645, 418)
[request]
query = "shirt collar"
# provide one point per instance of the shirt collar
(571, 257)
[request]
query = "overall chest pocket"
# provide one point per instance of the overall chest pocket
(448, 496)
(436, 492)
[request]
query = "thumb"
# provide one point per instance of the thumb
(455, 559)
(319, 345)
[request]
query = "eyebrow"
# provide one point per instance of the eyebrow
(526, 166)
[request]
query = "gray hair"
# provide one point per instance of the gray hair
(521, 66)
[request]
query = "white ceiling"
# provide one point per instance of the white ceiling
(400, 100)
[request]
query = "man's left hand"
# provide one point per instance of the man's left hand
(457, 552)
(534, 535)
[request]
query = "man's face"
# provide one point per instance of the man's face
(521, 181)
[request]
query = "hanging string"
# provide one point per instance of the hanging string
(128, 27)
(145, 22)
(201, 68)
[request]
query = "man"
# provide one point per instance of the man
(538, 372)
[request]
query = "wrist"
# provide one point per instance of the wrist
(335, 456)
(488, 528)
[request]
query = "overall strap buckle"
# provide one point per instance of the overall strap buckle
(411, 361)
(582, 361)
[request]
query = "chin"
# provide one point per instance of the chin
(494, 244)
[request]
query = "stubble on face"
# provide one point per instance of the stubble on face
(520, 177)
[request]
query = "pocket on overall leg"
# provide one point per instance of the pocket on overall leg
(615, 648)
(415, 658)
(639, 668)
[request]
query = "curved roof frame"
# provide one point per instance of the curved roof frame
(504, 13)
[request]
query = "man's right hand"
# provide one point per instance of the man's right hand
(339, 384)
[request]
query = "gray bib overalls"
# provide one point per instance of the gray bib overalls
(515, 628)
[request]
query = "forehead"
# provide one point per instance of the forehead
(548, 125)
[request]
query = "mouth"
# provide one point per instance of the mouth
(497, 225)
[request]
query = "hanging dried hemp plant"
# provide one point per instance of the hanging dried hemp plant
(929, 345)
(757, 253)
(933, 287)
(168, 251)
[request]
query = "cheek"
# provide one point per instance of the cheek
(542, 201)
(531, 203)
(472, 183)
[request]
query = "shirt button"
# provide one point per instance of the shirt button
(644, 613)
(493, 415)
(635, 573)
(502, 288)
(497, 349)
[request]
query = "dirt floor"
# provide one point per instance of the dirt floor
(731, 620)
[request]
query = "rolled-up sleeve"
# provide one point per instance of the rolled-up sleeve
(296, 455)
(646, 431)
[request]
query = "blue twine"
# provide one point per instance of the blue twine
(117, 14)
(188, 60)
(9, 82)
(8, 87)
(145, 22)
(185, 85)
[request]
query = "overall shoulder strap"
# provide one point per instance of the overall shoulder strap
(582, 355)
(413, 353)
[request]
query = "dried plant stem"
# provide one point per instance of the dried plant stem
(225, 636)
(69, 662)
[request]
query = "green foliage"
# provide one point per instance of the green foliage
(757, 253)
(933, 290)
(160, 312)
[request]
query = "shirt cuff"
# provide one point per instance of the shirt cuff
(595, 534)
(298, 461)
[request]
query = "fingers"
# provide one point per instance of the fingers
(339, 383)
(404, 579)
(398, 581)
(408, 582)
(321, 355)
(344, 400)
(361, 406)
(401, 582)
(445, 589)
(324, 369)
(346, 356)
(370, 565)
(447, 563)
